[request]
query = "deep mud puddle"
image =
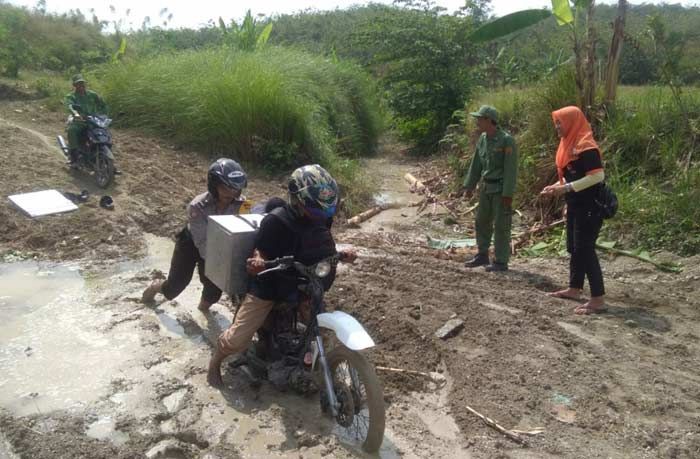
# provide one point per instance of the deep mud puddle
(77, 344)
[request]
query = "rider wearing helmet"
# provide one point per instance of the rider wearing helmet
(301, 228)
(226, 180)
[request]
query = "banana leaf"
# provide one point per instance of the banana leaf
(508, 24)
(444, 244)
(562, 11)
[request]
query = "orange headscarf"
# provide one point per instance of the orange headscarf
(578, 136)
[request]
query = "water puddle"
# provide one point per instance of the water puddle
(169, 326)
(105, 429)
(53, 355)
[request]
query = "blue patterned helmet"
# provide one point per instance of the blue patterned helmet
(314, 192)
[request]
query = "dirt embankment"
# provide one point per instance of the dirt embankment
(621, 384)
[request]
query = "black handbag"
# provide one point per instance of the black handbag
(606, 201)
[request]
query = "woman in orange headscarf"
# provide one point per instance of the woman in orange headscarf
(580, 171)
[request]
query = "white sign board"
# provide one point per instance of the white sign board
(41, 203)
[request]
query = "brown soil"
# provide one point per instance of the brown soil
(621, 384)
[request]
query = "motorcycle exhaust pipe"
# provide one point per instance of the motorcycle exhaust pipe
(62, 144)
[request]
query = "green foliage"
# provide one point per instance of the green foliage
(562, 12)
(508, 24)
(274, 106)
(418, 55)
(13, 33)
(247, 36)
(120, 52)
(35, 40)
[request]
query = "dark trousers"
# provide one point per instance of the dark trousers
(185, 258)
(582, 229)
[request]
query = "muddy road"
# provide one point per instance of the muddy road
(87, 371)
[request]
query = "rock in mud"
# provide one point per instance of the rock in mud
(451, 328)
(168, 449)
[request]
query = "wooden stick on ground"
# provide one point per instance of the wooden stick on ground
(416, 185)
(493, 424)
(366, 215)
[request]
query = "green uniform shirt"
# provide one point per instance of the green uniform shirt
(496, 161)
(90, 103)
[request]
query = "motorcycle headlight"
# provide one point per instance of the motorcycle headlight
(323, 269)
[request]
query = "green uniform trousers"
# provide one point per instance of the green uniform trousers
(74, 131)
(491, 213)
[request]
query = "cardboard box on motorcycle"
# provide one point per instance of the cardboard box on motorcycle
(230, 242)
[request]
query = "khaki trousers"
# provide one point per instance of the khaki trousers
(250, 317)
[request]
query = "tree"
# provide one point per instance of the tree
(15, 49)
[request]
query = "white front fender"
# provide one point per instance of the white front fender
(348, 330)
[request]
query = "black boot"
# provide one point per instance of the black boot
(496, 267)
(481, 259)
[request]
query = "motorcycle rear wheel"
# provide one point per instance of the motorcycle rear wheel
(104, 167)
(361, 414)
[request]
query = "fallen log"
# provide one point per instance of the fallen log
(366, 215)
(493, 424)
(415, 184)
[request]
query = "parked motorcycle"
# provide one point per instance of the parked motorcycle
(291, 353)
(95, 152)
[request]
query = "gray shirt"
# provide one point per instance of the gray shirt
(198, 210)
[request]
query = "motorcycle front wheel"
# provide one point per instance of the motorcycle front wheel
(104, 167)
(360, 396)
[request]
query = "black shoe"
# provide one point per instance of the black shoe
(481, 259)
(496, 267)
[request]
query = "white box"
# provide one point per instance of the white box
(230, 242)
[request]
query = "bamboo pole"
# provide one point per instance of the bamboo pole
(416, 185)
(366, 215)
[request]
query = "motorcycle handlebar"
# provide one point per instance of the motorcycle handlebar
(279, 261)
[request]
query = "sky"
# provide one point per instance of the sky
(192, 14)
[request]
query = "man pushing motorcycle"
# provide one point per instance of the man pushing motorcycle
(85, 102)
(301, 228)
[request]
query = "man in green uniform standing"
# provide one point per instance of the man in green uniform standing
(496, 162)
(90, 103)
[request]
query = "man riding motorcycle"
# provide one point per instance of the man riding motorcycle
(300, 228)
(85, 102)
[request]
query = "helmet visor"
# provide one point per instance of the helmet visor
(320, 214)
(235, 180)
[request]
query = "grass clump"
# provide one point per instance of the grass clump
(274, 108)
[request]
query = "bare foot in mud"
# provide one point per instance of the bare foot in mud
(204, 306)
(214, 374)
(569, 294)
(596, 305)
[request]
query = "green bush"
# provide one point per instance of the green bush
(276, 108)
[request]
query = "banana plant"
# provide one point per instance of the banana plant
(566, 12)
(248, 36)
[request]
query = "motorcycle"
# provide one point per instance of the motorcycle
(290, 353)
(95, 152)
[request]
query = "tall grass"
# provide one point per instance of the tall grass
(275, 108)
(651, 151)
